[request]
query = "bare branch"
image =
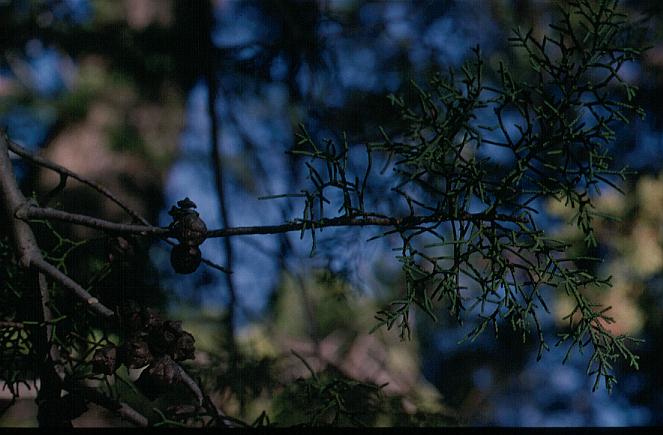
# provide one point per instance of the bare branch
(53, 351)
(28, 211)
(128, 413)
(353, 221)
(190, 383)
(38, 160)
(55, 274)
(122, 409)
(33, 212)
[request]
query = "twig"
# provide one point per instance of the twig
(33, 212)
(53, 351)
(9, 324)
(353, 221)
(219, 415)
(55, 274)
(29, 211)
(128, 413)
(122, 409)
(16, 148)
(190, 383)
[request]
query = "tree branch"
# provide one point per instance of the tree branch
(55, 274)
(27, 211)
(64, 172)
(357, 221)
(122, 409)
(190, 383)
(27, 249)
(35, 212)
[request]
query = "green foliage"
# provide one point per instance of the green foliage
(16, 350)
(471, 237)
(329, 398)
(467, 227)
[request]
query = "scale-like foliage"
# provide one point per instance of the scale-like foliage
(472, 163)
(473, 236)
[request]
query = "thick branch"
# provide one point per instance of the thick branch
(12, 199)
(27, 249)
(28, 253)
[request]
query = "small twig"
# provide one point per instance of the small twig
(211, 264)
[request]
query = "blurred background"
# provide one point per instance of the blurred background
(119, 91)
